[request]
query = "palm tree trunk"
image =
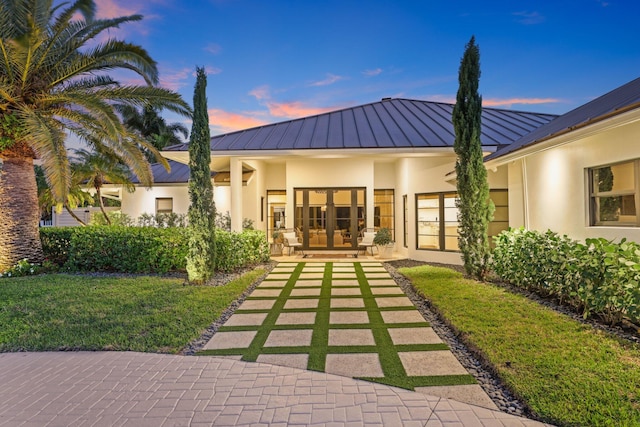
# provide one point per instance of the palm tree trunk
(19, 213)
(106, 217)
(74, 215)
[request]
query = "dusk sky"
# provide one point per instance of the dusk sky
(274, 60)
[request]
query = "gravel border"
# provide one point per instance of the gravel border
(471, 359)
(222, 279)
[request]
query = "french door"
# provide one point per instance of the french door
(329, 218)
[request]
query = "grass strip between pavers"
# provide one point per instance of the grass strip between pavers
(319, 347)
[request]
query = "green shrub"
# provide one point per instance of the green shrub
(144, 249)
(597, 277)
(127, 249)
(56, 242)
(234, 250)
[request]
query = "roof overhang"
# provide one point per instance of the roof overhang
(571, 135)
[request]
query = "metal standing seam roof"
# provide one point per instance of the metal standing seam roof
(179, 173)
(390, 123)
(619, 100)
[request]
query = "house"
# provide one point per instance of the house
(383, 164)
(579, 174)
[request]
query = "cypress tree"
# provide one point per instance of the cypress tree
(475, 209)
(201, 256)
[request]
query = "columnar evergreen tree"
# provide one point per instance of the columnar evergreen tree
(201, 257)
(475, 209)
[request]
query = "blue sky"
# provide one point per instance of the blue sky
(274, 60)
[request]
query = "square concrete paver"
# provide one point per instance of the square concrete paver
(296, 319)
(311, 275)
(249, 319)
(266, 293)
(284, 269)
(301, 303)
(347, 303)
(405, 316)
(338, 283)
(257, 304)
(298, 361)
(472, 394)
(305, 292)
(314, 264)
(401, 336)
(348, 317)
(377, 275)
(429, 363)
(224, 340)
(343, 275)
(394, 302)
(307, 283)
(345, 291)
(351, 337)
(272, 284)
(387, 290)
(354, 365)
(293, 338)
(382, 282)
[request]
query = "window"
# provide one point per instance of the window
(614, 194)
(405, 223)
(383, 209)
(437, 219)
(276, 202)
(500, 199)
(164, 205)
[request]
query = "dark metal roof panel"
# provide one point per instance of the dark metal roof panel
(179, 173)
(392, 123)
(617, 101)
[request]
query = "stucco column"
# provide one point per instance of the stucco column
(235, 168)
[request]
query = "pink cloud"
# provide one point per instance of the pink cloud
(261, 92)
(329, 80)
(225, 121)
(496, 102)
(107, 9)
(295, 109)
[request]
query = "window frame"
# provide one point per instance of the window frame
(163, 211)
(595, 194)
(392, 203)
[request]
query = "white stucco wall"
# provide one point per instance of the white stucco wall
(143, 200)
(555, 190)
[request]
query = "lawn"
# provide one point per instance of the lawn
(149, 314)
(568, 373)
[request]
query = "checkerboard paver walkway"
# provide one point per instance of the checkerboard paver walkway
(344, 318)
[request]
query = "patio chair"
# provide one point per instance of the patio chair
(291, 242)
(367, 240)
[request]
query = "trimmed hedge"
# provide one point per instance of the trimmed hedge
(596, 277)
(144, 249)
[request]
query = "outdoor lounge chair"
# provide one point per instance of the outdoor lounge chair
(291, 242)
(367, 241)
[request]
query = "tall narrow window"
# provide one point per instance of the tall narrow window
(614, 194)
(276, 219)
(437, 221)
(383, 209)
(500, 199)
(405, 222)
(164, 205)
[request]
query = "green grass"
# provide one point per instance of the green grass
(393, 370)
(567, 372)
(149, 314)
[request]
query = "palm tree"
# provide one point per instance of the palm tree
(53, 82)
(153, 127)
(96, 169)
